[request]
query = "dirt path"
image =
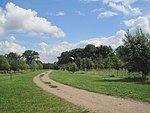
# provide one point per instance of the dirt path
(92, 101)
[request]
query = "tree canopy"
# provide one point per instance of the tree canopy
(136, 50)
(15, 62)
(30, 56)
(4, 65)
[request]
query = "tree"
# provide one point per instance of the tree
(4, 65)
(104, 51)
(39, 65)
(137, 52)
(64, 58)
(117, 63)
(47, 66)
(33, 66)
(120, 53)
(84, 64)
(89, 51)
(100, 62)
(79, 63)
(30, 56)
(23, 65)
(73, 67)
(89, 63)
(13, 60)
(107, 63)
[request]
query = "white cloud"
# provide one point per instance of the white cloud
(113, 41)
(15, 18)
(120, 1)
(10, 46)
(96, 10)
(107, 14)
(108, 1)
(50, 53)
(2, 20)
(60, 13)
(117, 6)
(104, 14)
(43, 46)
(142, 22)
(11, 39)
(135, 11)
(79, 13)
(32, 33)
(120, 8)
(126, 9)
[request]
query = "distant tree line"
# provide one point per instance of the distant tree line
(133, 56)
(90, 57)
(14, 62)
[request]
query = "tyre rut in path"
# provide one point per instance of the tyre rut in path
(94, 102)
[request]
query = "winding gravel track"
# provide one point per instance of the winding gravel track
(92, 101)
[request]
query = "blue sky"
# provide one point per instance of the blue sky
(59, 25)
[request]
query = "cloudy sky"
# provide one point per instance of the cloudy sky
(53, 26)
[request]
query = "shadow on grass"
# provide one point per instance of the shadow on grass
(128, 80)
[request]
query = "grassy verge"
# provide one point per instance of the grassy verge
(101, 82)
(20, 95)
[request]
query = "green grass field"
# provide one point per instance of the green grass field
(101, 82)
(21, 95)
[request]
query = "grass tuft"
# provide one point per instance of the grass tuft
(49, 83)
(53, 86)
(41, 75)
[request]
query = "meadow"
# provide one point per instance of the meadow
(107, 82)
(21, 95)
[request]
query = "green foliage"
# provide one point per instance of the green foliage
(33, 66)
(46, 65)
(23, 65)
(137, 50)
(13, 60)
(108, 63)
(117, 63)
(79, 63)
(89, 64)
(4, 65)
(89, 51)
(99, 63)
(55, 66)
(18, 63)
(30, 56)
(84, 58)
(88, 58)
(104, 51)
(73, 67)
(21, 95)
(39, 65)
(106, 82)
(133, 55)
